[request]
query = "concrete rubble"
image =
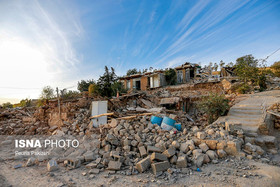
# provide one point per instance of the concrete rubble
(135, 145)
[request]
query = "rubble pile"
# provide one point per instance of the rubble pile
(129, 143)
(136, 146)
(188, 90)
(276, 108)
(20, 122)
(45, 120)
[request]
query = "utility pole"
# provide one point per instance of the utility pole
(57, 93)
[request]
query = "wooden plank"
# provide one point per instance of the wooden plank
(100, 115)
(273, 113)
(135, 116)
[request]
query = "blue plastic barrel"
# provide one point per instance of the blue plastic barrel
(167, 123)
(178, 126)
(156, 120)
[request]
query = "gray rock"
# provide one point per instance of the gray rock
(52, 165)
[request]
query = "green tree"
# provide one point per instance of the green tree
(118, 87)
(170, 76)
(69, 94)
(105, 82)
(214, 106)
(132, 72)
(7, 105)
(47, 93)
(84, 85)
(230, 64)
(25, 103)
(246, 68)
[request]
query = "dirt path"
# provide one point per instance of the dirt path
(230, 172)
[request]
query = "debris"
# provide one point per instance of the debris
(31, 161)
(142, 151)
(169, 152)
(201, 135)
(144, 164)
(52, 165)
(158, 157)
(182, 162)
(94, 171)
(221, 153)
(153, 149)
(72, 163)
(203, 147)
(17, 166)
(160, 166)
(114, 165)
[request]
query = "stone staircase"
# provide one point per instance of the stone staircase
(251, 113)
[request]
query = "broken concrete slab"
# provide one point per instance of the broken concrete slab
(160, 166)
(169, 152)
(144, 164)
(153, 149)
(182, 162)
(158, 157)
(114, 165)
(142, 151)
(94, 171)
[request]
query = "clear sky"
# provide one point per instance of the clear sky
(58, 43)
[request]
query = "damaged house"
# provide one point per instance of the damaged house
(156, 79)
(144, 81)
(186, 72)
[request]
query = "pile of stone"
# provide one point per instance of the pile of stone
(276, 108)
(45, 120)
(137, 145)
(17, 121)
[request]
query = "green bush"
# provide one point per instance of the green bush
(47, 93)
(25, 103)
(118, 87)
(70, 94)
(84, 84)
(41, 102)
(243, 88)
(246, 68)
(214, 106)
(106, 81)
(7, 105)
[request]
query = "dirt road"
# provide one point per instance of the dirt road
(229, 172)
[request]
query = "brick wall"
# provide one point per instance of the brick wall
(144, 83)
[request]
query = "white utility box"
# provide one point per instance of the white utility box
(99, 107)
